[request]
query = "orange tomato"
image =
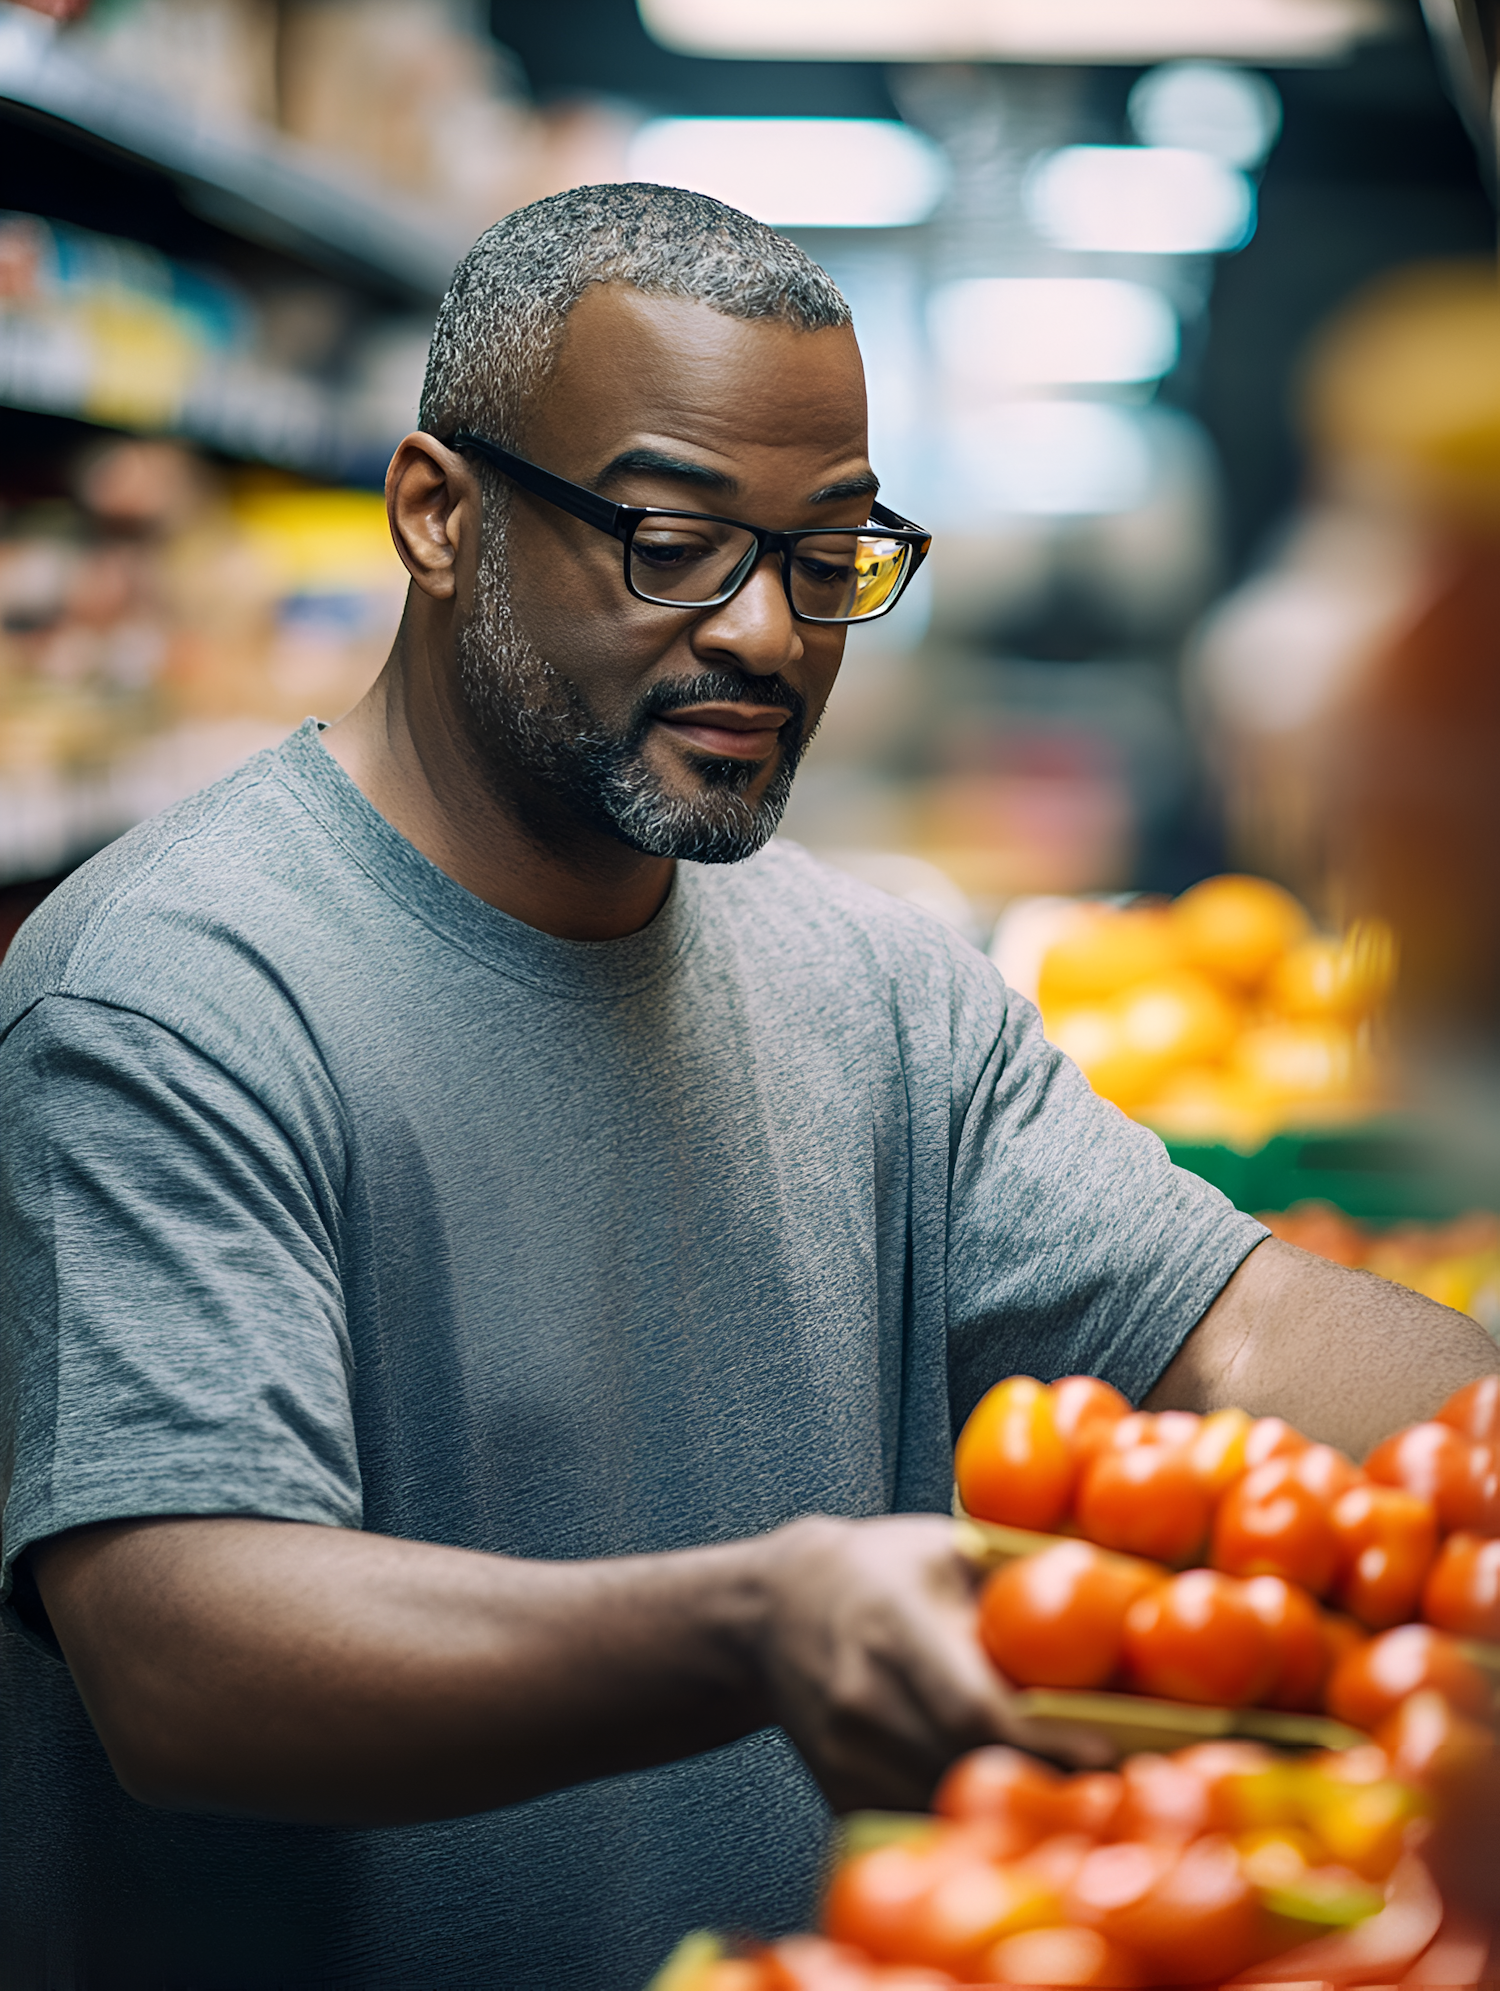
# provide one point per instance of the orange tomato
(873, 1899)
(1272, 1438)
(1387, 1539)
(1326, 1472)
(1373, 1680)
(1474, 1411)
(1165, 1800)
(1270, 1524)
(1085, 1410)
(1061, 1957)
(1057, 1619)
(974, 1906)
(1005, 1788)
(1144, 1500)
(1462, 1591)
(1193, 1918)
(1425, 1741)
(1219, 1450)
(1293, 1620)
(808, 1963)
(1472, 1499)
(1010, 1462)
(1198, 1638)
(1429, 1459)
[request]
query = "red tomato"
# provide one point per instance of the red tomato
(1429, 1459)
(1057, 1619)
(1085, 1411)
(873, 1900)
(1061, 1956)
(1010, 1462)
(974, 1906)
(1145, 1500)
(1293, 1620)
(1370, 1684)
(1427, 1743)
(1462, 1592)
(1270, 1524)
(1326, 1472)
(1475, 1411)
(1166, 1799)
(1193, 1919)
(1387, 1539)
(1197, 1638)
(1004, 1788)
(1341, 1636)
(1272, 1438)
(1472, 1500)
(1176, 1427)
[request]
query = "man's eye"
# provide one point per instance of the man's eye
(675, 552)
(826, 573)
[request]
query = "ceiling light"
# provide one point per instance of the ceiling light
(1016, 30)
(798, 172)
(1058, 458)
(1150, 200)
(1235, 114)
(1034, 331)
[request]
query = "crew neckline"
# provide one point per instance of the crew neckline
(597, 970)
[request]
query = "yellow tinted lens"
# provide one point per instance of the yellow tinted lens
(842, 576)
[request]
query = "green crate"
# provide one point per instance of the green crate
(1383, 1171)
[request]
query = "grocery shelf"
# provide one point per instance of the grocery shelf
(1381, 1170)
(250, 181)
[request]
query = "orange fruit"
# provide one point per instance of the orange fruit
(1180, 1019)
(1103, 952)
(1237, 927)
(1308, 1062)
(1093, 1038)
(1323, 977)
(1204, 1104)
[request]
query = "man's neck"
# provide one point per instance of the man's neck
(407, 750)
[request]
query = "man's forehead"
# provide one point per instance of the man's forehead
(632, 364)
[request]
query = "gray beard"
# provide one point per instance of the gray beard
(526, 719)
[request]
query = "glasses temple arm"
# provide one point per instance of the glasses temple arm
(575, 498)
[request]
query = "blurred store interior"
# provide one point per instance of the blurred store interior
(1182, 332)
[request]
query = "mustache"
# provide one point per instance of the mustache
(719, 688)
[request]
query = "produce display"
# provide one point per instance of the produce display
(1228, 1561)
(1222, 1015)
(1221, 1864)
(1456, 1264)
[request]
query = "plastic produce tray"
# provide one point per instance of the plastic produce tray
(1382, 1170)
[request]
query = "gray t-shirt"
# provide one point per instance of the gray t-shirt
(332, 1193)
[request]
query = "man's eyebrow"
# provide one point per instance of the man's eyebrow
(865, 485)
(659, 463)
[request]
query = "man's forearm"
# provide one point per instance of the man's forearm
(316, 1673)
(1345, 1356)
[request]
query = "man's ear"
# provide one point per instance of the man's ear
(432, 501)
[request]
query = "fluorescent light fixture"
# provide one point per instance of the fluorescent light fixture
(1055, 459)
(1002, 332)
(1016, 30)
(1150, 200)
(1235, 114)
(798, 172)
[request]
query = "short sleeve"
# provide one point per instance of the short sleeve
(172, 1333)
(1075, 1245)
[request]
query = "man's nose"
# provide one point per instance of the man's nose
(757, 628)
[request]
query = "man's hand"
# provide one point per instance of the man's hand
(871, 1656)
(300, 1672)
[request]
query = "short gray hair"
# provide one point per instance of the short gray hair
(500, 324)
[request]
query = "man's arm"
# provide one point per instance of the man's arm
(304, 1672)
(1345, 1356)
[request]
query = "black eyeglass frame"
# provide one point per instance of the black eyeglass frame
(622, 522)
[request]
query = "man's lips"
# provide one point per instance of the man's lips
(729, 732)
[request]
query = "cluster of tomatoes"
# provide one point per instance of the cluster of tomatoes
(1224, 1863)
(1276, 1523)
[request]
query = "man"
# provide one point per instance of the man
(468, 1215)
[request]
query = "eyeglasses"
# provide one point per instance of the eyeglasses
(834, 574)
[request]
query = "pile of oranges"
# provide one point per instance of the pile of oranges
(1221, 1015)
(1262, 1527)
(1221, 1865)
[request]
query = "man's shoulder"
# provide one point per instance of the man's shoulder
(183, 879)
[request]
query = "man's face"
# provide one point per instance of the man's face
(675, 731)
